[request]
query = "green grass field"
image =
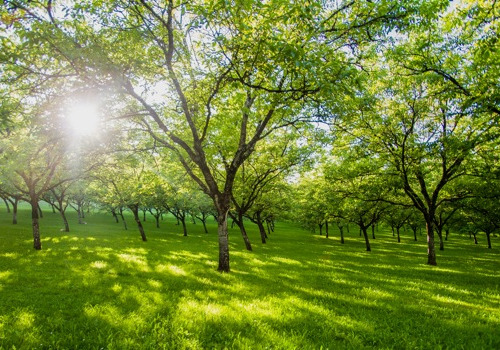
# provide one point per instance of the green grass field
(101, 287)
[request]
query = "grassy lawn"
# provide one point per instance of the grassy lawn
(100, 286)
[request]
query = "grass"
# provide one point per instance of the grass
(101, 287)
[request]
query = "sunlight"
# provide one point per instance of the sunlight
(83, 118)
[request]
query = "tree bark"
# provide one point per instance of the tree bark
(320, 229)
(184, 228)
(397, 231)
(113, 212)
(262, 230)
(123, 219)
(341, 228)
(326, 229)
(65, 221)
(431, 250)
(414, 233)
(489, 239)
(7, 205)
(447, 234)
(243, 231)
(223, 239)
(475, 237)
(373, 231)
(14, 211)
(37, 244)
(135, 211)
(204, 222)
(440, 235)
(40, 210)
(367, 240)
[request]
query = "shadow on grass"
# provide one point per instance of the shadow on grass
(107, 289)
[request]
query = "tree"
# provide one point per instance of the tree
(232, 74)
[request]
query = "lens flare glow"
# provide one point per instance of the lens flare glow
(83, 118)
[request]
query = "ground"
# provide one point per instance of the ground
(100, 286)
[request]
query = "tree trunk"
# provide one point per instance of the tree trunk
(37, 244)
(431, 251)
(320, 229)
(347, 226)
(14, 211)
(240, 224)
(392, 228)
(414, 233)
(123, 219)
(440, 235)
(7, 205)
(326, 229)
(53, 208)
(157, 218)
(397, 231)
(113, 212)
(475, 237)
(223, 240)
(184, 228)
(65, 221)
(447, 234)
(135, 211)
(367, 240)
(489, 239)
(373, 231)
(204, 222)
(262, 230)
(144, 215)
(341, 228)
(40, 210)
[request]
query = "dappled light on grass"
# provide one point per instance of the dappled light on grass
(298, 291)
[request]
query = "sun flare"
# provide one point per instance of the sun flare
(83, 118)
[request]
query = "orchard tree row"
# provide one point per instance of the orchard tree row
(161, 103)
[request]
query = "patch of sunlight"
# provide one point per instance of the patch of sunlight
(10, 255)
(74, 248)
(55, 240)
(99, 264)
(286, 261)
(139, 262)
(155, 284)
(106, 312)
(257, 262)
(176, 270)
(448, 300)
(141, 251)
(90, 238)
(24, 319)
(4, 275)
(377, 293)
(148, 301)
(117, 288)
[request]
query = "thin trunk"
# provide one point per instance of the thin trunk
(157, 218)
(489, 239)
(341, 228)
(135, 211)
(447, 234)
(193, 220)
(347, 226)
(123, 219)
(475, 238)
(393, 233)
(397, 231)
(431, 251)
(144, 215)
(440, 235)
(326, 228)
(367, 240)
(320, 229)
(414, 229)
(40, 210)
(113, 212)
(65, 220)
(373, 231)
(223, 240)
(184, 228)
(80, 217)
(14, 212)
(204, 222)
(53, 208)
(261, 228)
(7, 205)
(37, 244)
(243, 231)
(268, 227)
